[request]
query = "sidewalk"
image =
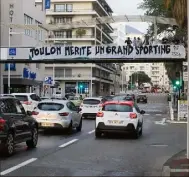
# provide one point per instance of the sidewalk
(177, 165)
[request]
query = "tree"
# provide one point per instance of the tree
(167, 8)
(141, 76)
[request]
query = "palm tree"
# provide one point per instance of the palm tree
(179, 11)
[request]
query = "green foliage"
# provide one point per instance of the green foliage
(142, 77)
(80, 32)
(157, 8)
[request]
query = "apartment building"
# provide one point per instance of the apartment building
(156, 71)
(118, 36)
(22, 76)
(79, 78)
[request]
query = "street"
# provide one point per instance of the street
(80, 154)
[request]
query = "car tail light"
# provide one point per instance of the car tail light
(100, 114)
(64, 114)
(34, 113)
(2, 124)
(27, 102)
(133, 115)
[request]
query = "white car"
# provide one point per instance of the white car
(90, 106)
(119, 116)
(60, 114)
(29, 100)
(7, 95)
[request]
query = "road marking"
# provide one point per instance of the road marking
(159, 145)
(158, 114)
(162, 122)
(146, 114)
(91, 132)
(177, 122)
(180, 170)
(68, 143)
(18, 166)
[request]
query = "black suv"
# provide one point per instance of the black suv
(16, 126)
(142, 98)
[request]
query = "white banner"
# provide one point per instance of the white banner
(109, 52)
(182, 109)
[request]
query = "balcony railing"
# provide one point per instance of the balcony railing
(71, 11)
(70, 36)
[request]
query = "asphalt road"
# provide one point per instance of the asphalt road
(80, 154)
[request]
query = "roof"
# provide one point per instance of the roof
(23, 93)
(130, 103)
(131, 30)
(54, 101)
(96, 98)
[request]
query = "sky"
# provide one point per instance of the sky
(129, 7)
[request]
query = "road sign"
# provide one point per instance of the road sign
(12, 51)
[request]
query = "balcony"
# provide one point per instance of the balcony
(83, 77)
(71, 38)
(51, 12)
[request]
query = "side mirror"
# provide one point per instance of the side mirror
(29, 113)
(142, 112)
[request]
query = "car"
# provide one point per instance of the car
(120, 117)
(16, 126)
(90, 106)
(107, 98)
(76, 100)
(7, 95)
(28, 100)
(123, 98)
(142, 98)
(58, 114)
(44, 98)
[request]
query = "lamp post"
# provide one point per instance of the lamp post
(188, 86)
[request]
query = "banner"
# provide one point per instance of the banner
(103, 52)
(47, 4)
(12, 67)
(182, 109)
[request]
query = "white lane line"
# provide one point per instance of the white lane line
(158, 114)
(91, 132)
(68, 143)
(159, 145)
(146, 114)
(18, 166)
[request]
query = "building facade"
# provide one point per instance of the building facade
(23, 77)
(80, 78)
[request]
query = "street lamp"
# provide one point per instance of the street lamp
(188, 86)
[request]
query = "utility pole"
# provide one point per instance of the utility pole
(188, 87)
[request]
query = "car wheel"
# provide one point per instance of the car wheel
(97, 134)
(9, 145)
(141, 130)
(80, 126)
(34, 140)
(69, 129)
(136, 133)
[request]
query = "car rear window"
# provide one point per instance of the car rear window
(118, 98)
(91, 101)
(22, 97)
(50, 106)
(117, 108)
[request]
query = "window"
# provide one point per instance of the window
(59, 8)
(63, 34)
(19, 107)
(38, 65)
(28, 21)
(35, 97)
(7, 106)
(62, 19)
(50, 106)
(68, 72)
(117, 108)
(71, 106)
(91, 101)
(39, 32)
(69, 7)
(22, 97)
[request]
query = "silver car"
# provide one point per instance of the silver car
(58, 114)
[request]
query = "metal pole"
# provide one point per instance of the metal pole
(155, 31)
(91, 80)
(122, 80)
(188, 87)
(53, 78)
(9, 73)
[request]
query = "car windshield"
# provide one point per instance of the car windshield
(117, 108)
(91, 101)
(22, 97)
(143, 96)
(118, 98)
(8, 95)
(50, 106)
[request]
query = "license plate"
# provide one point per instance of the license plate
(115, 122)
(47, 124)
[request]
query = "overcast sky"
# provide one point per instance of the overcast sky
(128, 7)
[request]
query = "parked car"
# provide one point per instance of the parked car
(44, 98)
(16, 126)
(119, 117)
(142, 98)
(28, 100)
(123, 98)
(58, 114)
(7, 95)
